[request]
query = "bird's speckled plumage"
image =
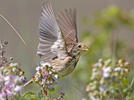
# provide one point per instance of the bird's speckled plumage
(58, 39)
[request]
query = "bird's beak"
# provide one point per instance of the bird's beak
(84, 48)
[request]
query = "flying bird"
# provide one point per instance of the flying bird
(58, 42)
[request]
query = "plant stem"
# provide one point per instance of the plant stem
(44, 92)
(6, 98)
(60, 96)
(132, 82)
(18, 34)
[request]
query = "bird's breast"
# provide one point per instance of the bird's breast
(66, 68)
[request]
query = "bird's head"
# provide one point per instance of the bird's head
(79, 48)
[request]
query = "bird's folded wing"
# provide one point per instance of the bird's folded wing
(51, 41)
(67, 22)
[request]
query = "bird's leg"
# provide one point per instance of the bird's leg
(27, 83)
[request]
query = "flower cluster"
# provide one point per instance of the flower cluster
(11, 76)
(108, 79)
(11, 80)
(45, 76)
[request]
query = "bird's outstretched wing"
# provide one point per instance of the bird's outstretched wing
(67, 22)
(51, 42)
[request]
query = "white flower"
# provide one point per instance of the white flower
(1, 97)
(83, 99)
(106, 71)
(50, 72)
(56, 76)
(93, 98)
(43, 82)
(7, 78)
(38, 68)
(108, 61)
(17, 88)
(117, 69)
(37, 75)
(16, 79)
(9, 92)
(13, 64)
(7, 82)
(42, 63)
(101, 88)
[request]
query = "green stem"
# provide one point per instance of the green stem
(44, 92)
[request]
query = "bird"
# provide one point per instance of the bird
(58, 41)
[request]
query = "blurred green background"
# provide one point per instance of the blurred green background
(106, 26)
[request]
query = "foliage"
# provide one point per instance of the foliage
(104, 41)
(109, 81)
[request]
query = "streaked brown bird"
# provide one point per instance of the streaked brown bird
(58, 43)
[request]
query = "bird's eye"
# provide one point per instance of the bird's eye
(79, 46)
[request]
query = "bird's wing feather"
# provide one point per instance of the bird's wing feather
(67, 22)
(51, 41)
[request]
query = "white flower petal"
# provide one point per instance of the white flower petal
(117, 69)
(17, 88)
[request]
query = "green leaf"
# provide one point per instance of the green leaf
(30, 96)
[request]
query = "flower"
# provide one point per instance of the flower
(42, 63)
(117, 69)
(83, 99)
(38, 68)
(18, 88)
(106, 71)
(45, 76)
(11, 82)
(104, 78)
(93, 98)
(101, 88)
